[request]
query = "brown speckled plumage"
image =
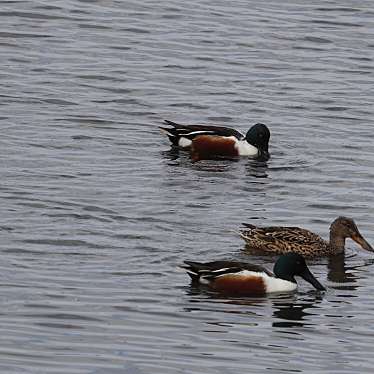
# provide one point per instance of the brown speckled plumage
(278, 239)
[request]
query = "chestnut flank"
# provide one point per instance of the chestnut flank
(207, 146)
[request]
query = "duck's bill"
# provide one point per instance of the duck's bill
(362, 242)
(263, 154)
(309, 277)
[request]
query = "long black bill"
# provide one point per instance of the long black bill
(263, 154)
(309, 277)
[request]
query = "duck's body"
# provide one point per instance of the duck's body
(217, 141)
(243, 279)
(279, 240)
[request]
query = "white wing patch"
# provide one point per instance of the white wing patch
(184, 142)
(197, 132)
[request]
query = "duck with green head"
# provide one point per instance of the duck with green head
(243, 279)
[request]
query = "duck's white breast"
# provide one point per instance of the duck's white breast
(246, 149)
(273, 284)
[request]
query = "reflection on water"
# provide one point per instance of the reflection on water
(288, 309)
(258, 164)
(97, 210)
(338, 271)
(181, 157)
(257, 168)
(294, 312)
(344, 271)
(172, 154)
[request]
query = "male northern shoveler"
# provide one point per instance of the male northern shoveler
(215, 141)
(294, 239)
(243, 279)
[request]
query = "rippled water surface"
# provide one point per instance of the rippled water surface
(97, 211)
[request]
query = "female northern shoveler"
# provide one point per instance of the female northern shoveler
(243, 279)
(215, 141)
(294, 239)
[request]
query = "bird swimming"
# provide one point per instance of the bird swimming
(283, 239)
(205, 141)
(245, 279)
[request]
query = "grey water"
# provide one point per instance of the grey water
(97, 211)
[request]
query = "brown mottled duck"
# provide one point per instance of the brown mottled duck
(279, 240)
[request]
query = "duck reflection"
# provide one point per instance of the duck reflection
(172, 154)
(175, 153)
(254, 167)
(177, 157)
(338, 271)
(257, 168)
(290, 312)
(204, 298)
(346, 276)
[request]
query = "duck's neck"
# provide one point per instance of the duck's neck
(337, 242)
(285, 276)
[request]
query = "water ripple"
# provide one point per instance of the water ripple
(98, 211)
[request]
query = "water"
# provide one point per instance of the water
(97, 212)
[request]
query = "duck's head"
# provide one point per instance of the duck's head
(258, 135)
(344, 227)
(291, 264)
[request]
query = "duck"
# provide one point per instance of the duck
(280, 240)
(207, 141)
(244, 279)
